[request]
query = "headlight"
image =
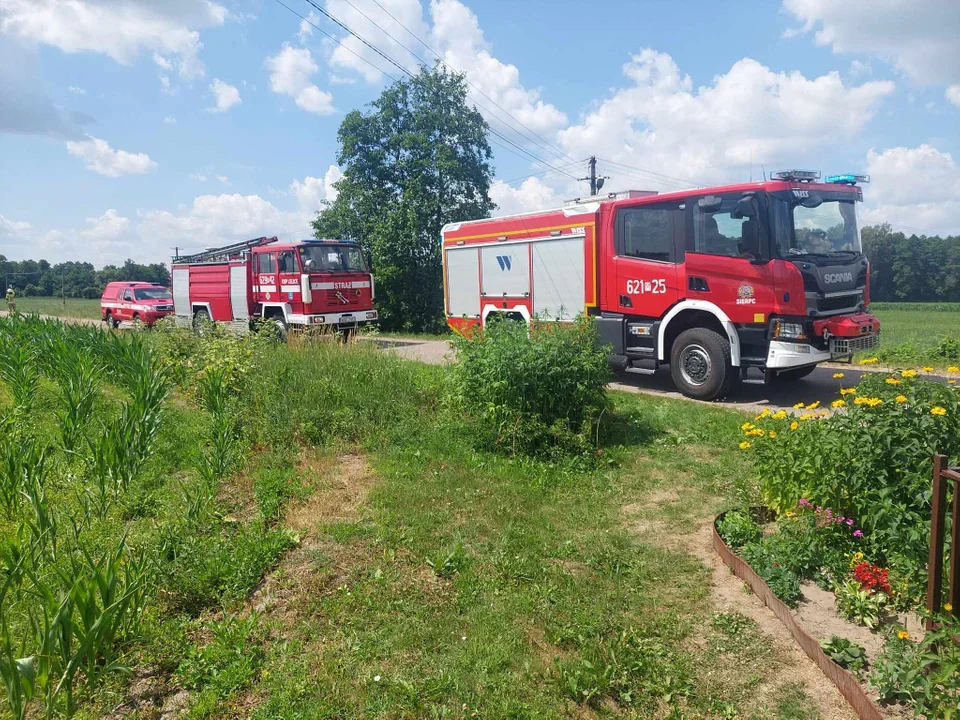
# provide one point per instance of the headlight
(789, 330)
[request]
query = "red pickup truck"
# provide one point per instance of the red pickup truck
(137, 302)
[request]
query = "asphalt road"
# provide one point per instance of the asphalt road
(818, 385)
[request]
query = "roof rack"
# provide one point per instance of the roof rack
(236, 251)
(606, 197)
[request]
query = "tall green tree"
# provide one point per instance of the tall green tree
(418, 159)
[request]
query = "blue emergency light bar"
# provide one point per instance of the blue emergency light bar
(847, 179)
(796, 175)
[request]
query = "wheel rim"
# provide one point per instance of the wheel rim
(695, 365)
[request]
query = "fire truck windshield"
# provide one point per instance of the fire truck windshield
(152, 294)
(332, 259)
(810, 228)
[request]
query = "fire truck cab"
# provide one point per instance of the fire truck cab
(713, 282)
(303, 283)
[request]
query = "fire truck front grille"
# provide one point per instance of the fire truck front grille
(343, 298)
(847, 302)
(163, 308)
(848, 346)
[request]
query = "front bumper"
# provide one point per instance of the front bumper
(343, 320)
(781, 355)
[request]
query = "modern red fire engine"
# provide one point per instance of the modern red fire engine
(713, 282)
(305, 283)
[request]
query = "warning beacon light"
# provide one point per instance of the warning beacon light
(796, 175)
(847, 179)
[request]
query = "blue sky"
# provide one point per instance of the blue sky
(128, 127)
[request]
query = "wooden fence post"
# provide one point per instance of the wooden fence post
(935, 564)
(954, 595)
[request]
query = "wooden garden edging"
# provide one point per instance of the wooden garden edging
(846, 683)
(942, 475)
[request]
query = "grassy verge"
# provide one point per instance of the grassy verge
(73, 308)
(362, 557)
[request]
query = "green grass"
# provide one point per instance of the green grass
(910, 333)
(72, 308)
(451, 581)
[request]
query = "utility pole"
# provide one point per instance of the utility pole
(596, 183)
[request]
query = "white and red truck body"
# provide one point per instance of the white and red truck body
(304, 283)
(773, 271)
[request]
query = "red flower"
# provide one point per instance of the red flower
(872, 577)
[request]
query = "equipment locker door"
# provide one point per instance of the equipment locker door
(648, 246)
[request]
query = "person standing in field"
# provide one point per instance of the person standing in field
(11, 301)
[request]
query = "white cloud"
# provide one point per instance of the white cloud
(165, 87)
(306, 26)
(12, 228)
(108, 226)
(340, 80)
(77, 90)
(858, 69)
(953, 94)
(170, 120)
(291, 71)
(161, 62)
(98, 156)
(747, 117)
(198, 177)
(121, 29)
(224, 179)
(311, 192)
(532, 194)
(226, 96)
(916, 189)
(919, 38)
(354, 56)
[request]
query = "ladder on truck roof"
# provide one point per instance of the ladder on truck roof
(236, 251)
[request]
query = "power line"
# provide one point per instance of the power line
(335, 39)
(541, 172)
(685, 182)
(546, 145)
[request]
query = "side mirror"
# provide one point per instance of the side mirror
(308, 264)
(812, 201)
(746, 207)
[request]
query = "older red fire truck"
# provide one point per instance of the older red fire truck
(305, 283)
(713, 282)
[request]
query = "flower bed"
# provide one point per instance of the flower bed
(851, 490)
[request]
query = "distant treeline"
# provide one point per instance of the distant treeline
(74, 279)
(912, 268)
(904, 268)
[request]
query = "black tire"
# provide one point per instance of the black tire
(700, 364)
(137, 321)
(111, 322)
(281, 327)
(200, 319)
(786, 376)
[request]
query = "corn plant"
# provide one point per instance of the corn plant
(18, 370)
(22, 464)
(78, 374)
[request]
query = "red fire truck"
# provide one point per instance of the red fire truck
(305, 283)
(714, 282)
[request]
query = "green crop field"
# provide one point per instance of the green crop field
(914, 333)
(71, 308)
(264, 531)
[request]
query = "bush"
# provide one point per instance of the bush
(784, 583)
(737, 528)
(539, 389)
(871, 462)
(845, 653)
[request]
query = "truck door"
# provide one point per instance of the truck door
(726, 261)
(647, 252)
(267, 290)
(288, 270)
(125, 311)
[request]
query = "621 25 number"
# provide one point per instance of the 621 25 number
(642, 287)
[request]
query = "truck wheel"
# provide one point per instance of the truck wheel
(201, 318)
(111, 322)
(137, 322)
(786, 376)
(700, 364)
(281, 327)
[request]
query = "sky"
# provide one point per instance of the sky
(129, 128)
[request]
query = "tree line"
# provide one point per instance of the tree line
(912, 268)
(74, 279)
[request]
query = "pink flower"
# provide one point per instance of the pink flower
(849, 521)
(804, 502)
(857, 533)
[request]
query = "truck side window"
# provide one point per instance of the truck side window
(288, 262)
(647, 233)
(717, 232)
(267, 263)
(127, 296)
